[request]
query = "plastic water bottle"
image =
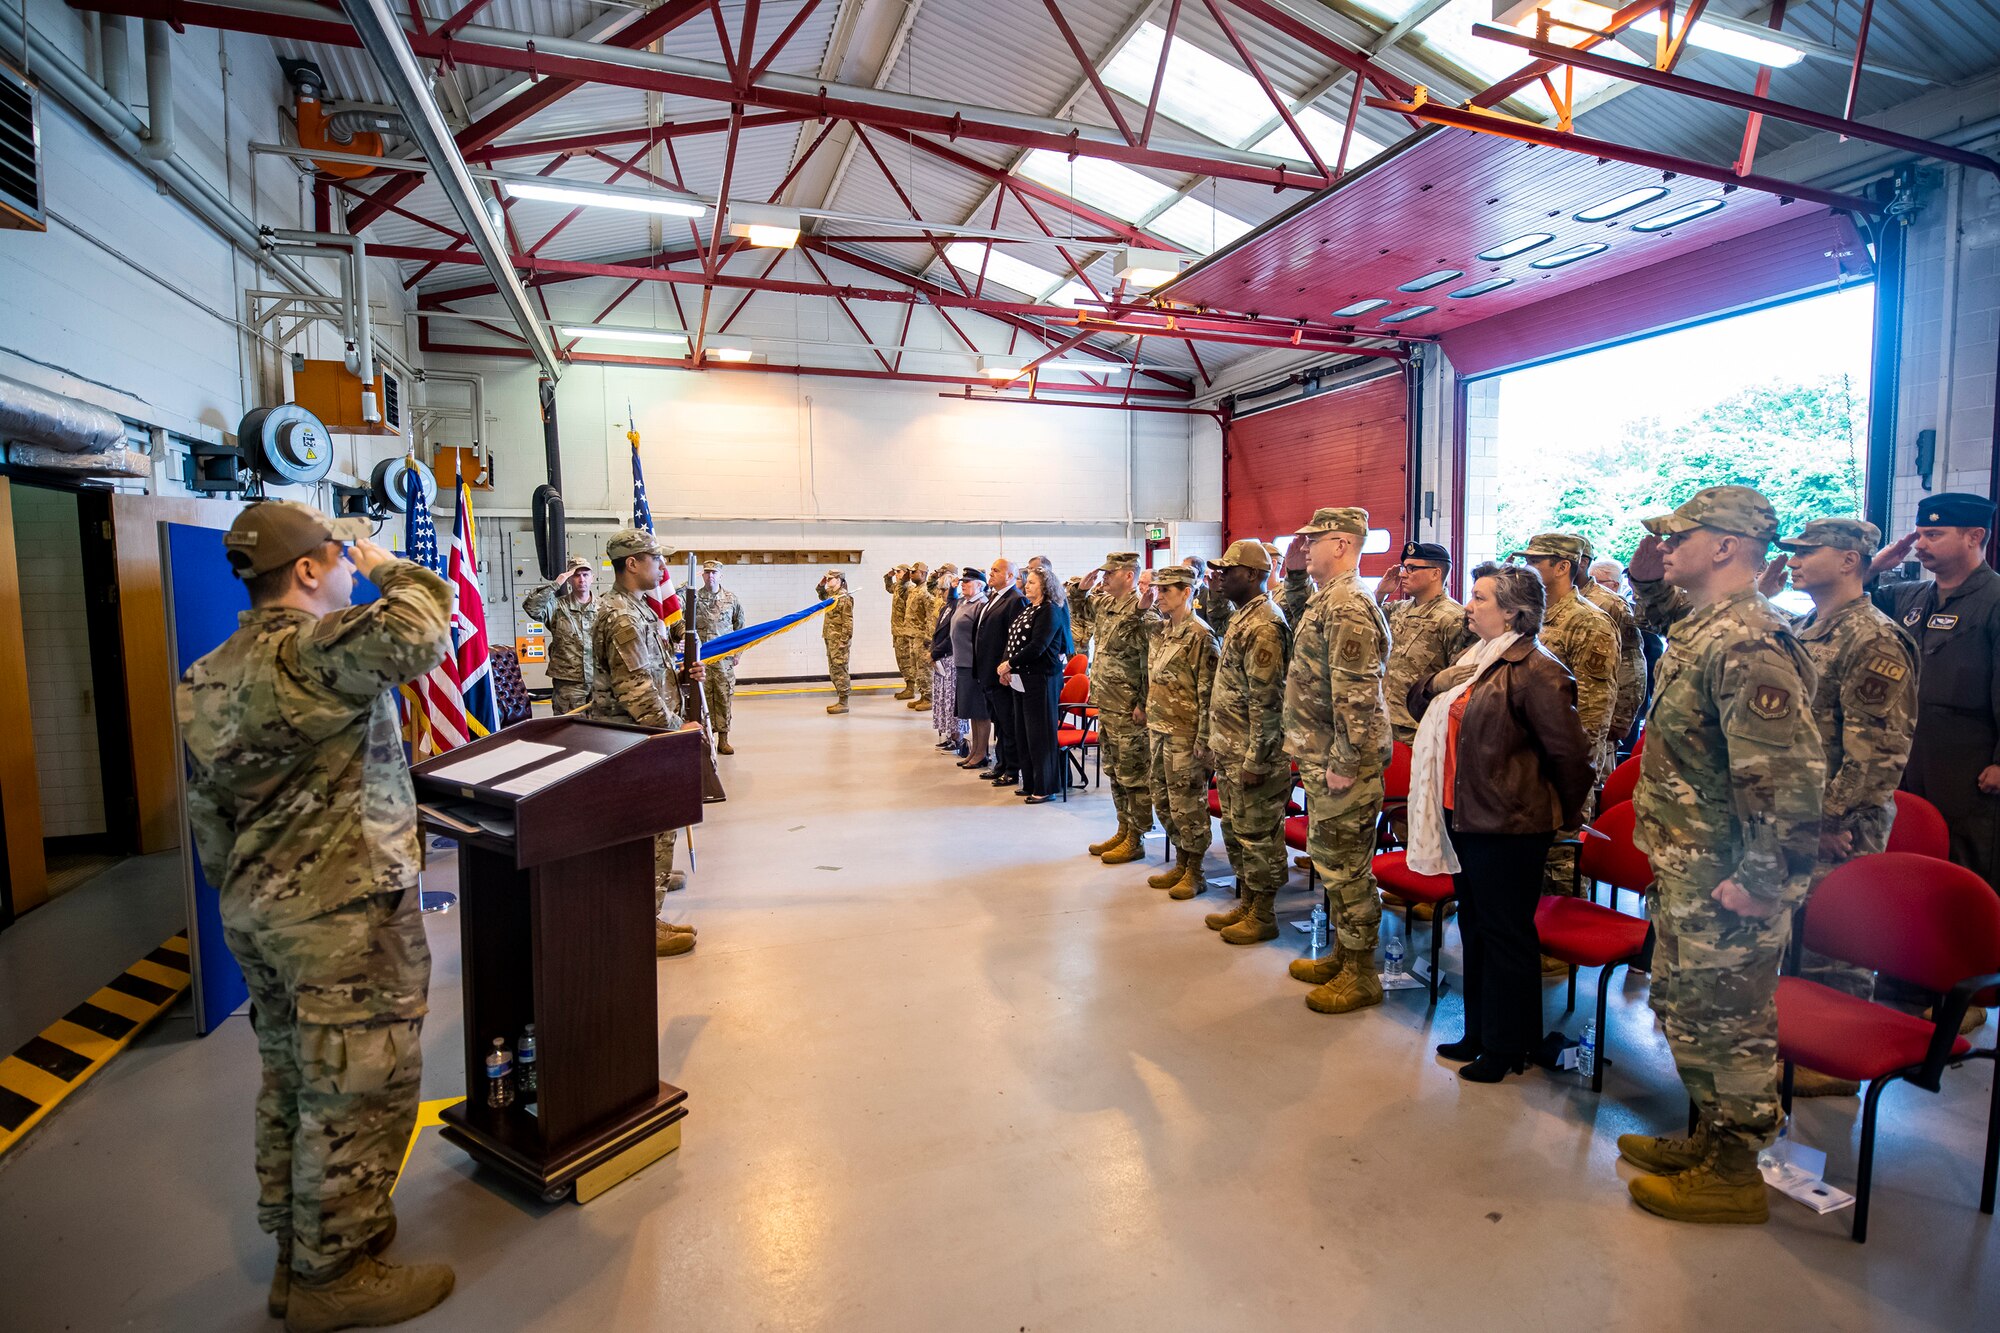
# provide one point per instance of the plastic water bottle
(1586, 1051)
(499, 1075)
(1392, 956)
(1318, 929)
(524, 1056)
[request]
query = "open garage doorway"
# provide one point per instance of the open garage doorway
(1775, 398)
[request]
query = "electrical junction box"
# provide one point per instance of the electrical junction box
(332, 392)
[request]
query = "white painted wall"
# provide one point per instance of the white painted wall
(61, 694)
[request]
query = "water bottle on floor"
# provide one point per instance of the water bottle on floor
(524, 1056)
(499, 1075)
(1392, 956)
(1586, 1052)
(1318, 929)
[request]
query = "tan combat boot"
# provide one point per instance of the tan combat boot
(1725, 1188)
(281, 1280)
(1258, 923)
(905, 693)
(670, 942)
(1171, 876)
(1192, 881)
(1223, 920)
(838, 705)
(1358, 986)
(1319, 971)
(370, 1294)
(1100, 848)
(722, 745)
(1663, 1155)
(1812, 1083)
(1132, 849)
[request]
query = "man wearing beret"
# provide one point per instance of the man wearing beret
(1954, 616)
(1728, 812)
(717, 612)
(1110, 616)
(1337, 728)
(1426, 632)
(633, 680)
(566, 609)
(1246, 744)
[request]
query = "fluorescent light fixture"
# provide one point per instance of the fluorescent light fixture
(603, 196)
(1002, 367)
(1150, 268)
(727, 349)
(764, 226)
(608, 333)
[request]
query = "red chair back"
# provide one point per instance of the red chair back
(1618, 787)
(1919, 919)
(1919, 828)
(1640, 743)
(1611, 857)
(1075, 690)
(1078, 664)
(1396, 777)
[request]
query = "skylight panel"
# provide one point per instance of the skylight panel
(1196, 226)
(1203, 92)
(1449, 32)
(1111, 186)
(1324, 131)
(1002, 268)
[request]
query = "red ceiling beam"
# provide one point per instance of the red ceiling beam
(1160, 72)
(646, 134)
(1392, 84)
(784, 39)
(1076, 208)
(968, 396)
(1499, 92)
(1249, 59)
(1731, 97)
(1090, 71)
(1486, 122)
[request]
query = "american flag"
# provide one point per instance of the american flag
(665, 602)
(433, 707)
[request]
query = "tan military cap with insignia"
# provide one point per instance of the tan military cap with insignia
(1347, 519)
(1740, 510)
(577, 562)
(1560, 545)
(1842, 534)
(631, 541)
(1173, 576)
(715, 565)
(1246, 554)
(1118, 560)
(272, 533)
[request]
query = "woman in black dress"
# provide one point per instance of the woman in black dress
(1037, 650)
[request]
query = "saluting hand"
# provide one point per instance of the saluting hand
(1774, 578)
(1893, 554)
(1649, 562)
(1738, 900)
(368, 557)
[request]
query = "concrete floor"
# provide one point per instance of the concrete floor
(946, 1072)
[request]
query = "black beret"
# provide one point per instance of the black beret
(1955, 509)
(1430, 551)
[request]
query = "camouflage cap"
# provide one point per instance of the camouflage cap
(1740, 510)
(1118, 560)
(715, 565)
(577, 562)
(272, 533)
(632, 541)
(1560, 545)
(1246, 554)
(1173, 576)
(1347, 519)
(1842, 534)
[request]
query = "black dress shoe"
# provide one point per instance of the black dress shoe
(1463, 1050)
(1003, 779)
(1492, 1068)
(1037, 800)
(1022, 791)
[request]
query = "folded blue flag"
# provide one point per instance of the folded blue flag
(734, 642)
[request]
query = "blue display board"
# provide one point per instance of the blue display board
(203, 598)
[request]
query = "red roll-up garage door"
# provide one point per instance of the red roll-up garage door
(1348, 446)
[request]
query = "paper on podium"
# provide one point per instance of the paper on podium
(492, 763)
(531, 782)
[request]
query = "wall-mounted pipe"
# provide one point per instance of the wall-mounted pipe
(116, 55)
(360, 333)
(31, 415)
(159, 135)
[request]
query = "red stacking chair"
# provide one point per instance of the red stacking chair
(1608, 855)
(1583, 934)
(1078, 664)
(1618, 787)
(1075, 737)
(1919, 828)
(1392, 872)
(1639, 744)
(1395, 794)
(1923, 921)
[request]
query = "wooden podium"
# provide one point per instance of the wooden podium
(556, 926)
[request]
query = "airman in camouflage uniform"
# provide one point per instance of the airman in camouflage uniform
(837, 629)
(1209, 603)
(305, 823)
(1630, 679)
(898, 583)
(1110, 616)
(717, 612)
(1728, 811)
(566, 609)
(1246, 744)
(1337, 728)
(1426, 634)
(634, 681)
(1180, 677)
(919, 612)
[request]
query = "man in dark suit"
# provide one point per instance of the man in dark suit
(989, 648)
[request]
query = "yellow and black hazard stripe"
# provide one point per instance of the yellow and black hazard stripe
(49, 1067)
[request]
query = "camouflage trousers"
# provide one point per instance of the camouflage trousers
(337, 1003)
(1715, 988)
(1253, 829)
(663, 866)
(718, 687)
(569, 696)
(1340, 839)
(913, 656)
(1180, 790)
(836, 666)
(1122, 749)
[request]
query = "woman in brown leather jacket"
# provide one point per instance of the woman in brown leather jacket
(1506, 759)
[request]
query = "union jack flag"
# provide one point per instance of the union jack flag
(468, 623)
(436, 716)
(665, 602)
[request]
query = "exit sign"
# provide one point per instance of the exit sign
(1156, 533)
